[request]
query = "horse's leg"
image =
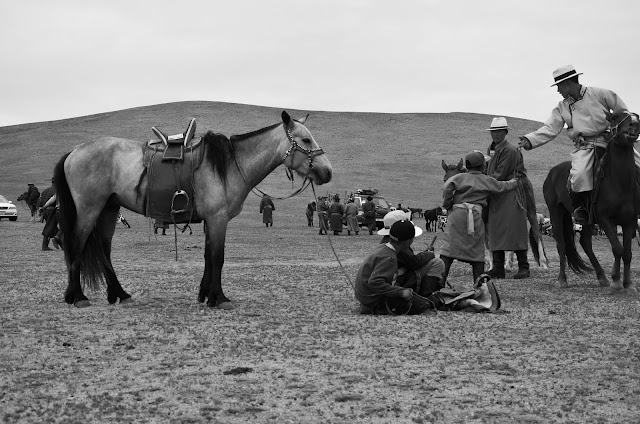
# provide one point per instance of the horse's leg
(628, 231)
(555, 213)
(586, 236)
(214, 250)
(107, 226)
(208, 269)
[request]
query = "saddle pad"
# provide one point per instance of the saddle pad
(165, 179)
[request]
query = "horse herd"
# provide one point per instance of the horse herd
(97, 178)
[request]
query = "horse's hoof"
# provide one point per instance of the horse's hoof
(563, 284)
(631, 291)
(82, 303)
(227, 306)
(127, 301)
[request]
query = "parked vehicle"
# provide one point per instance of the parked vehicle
(8, 209)
(382, 206)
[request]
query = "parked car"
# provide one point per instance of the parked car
(8, 209)
(382, 206)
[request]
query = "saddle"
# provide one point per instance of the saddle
(170, 163)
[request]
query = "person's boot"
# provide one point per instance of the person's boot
(430, 285)
(45, 243)
(523, 265)
(578, 205)
(498, 264)
(478, 269)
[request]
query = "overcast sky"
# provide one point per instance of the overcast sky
(63, 59)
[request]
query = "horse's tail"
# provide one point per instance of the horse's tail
(533, 242)
(574, 260)
(93, 259)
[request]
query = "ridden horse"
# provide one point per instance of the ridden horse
(535, 238)
(95, 179)
(617, 203)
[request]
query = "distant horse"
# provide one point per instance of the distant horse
(535, 239)
(617, 203)
(416, 211)
(431, 218)
(97, 178)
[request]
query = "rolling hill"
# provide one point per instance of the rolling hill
(399, 154)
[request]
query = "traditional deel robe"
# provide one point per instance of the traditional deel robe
(586, 122)
(507, 226)
(323, 217)
(351, 210)
(266, 209)
(463, 194)
(377, 275)
(336, 210)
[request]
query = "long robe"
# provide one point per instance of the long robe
(351, 210)
(336, 210)
(266, 209)
(507, 225)
(473, 188)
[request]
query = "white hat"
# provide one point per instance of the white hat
(395, 216)
(564, 73)
(499, 123)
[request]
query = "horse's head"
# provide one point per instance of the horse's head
(451, 170)
(304, 155)
(624, 128)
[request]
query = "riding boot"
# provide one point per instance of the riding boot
(498, 264)
(45, 243)
(478, 269)
(430, 285)
(523, 265)
(578, 205)
(447, 266)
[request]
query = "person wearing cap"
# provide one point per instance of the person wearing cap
(583, 111)
(369, 214)
(351, 211)
(323, 218)
(376, 287)
(507, 213)
(465, 195)
(422, 272)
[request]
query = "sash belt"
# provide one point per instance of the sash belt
(470, 207)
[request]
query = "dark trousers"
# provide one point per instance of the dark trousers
(476, 267)
(498, 259)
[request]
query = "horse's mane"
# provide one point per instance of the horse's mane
(218, 152)
(219, 149)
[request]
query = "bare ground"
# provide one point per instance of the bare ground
(294, 349)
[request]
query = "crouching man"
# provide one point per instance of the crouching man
(376, 282)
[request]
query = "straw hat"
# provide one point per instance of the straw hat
(564, 73)
(499, 123)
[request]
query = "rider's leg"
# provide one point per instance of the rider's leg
(497, 271)
(523, 265)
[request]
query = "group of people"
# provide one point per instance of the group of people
(490, 186)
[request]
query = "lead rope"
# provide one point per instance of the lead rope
(348, 279)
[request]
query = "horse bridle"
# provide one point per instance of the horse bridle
(311, 153)
(612, 131)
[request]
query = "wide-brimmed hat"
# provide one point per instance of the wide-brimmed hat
(474, 159)
(396, 216)
(499, 123)
(564, 73)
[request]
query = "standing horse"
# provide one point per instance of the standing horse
(535, 238)
(617, 203)
(97, 178)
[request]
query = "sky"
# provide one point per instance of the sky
(64, 59)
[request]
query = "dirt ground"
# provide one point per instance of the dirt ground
(294, 349)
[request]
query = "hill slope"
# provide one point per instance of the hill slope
(399, 154)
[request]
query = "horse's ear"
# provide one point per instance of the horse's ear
(608, 114)
(444, 165)
(286, 119)
(460, 164)
(303, 120)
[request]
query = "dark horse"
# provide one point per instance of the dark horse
(535, 237)
(97, 178)
(617, 203)
(431, 218)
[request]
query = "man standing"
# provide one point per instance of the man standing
(369, 214)
(351, 211)
(32, 200)
(583, 110)
(507, 222)
(49, 216)
(266, 209)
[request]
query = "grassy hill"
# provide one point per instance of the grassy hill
(399, 154)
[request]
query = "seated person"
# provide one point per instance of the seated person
(420, 272)
(376, 287)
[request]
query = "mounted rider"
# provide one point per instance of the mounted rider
(584, 111)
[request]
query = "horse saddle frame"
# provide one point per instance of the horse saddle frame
(170, 189)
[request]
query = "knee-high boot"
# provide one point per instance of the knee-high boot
(523, 265)
(498, 264)
(45, 243)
